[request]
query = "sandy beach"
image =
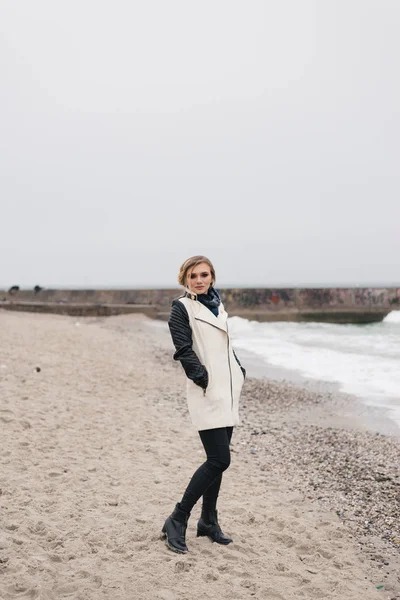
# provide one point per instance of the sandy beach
(97, 447)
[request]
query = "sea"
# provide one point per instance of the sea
(363, 360)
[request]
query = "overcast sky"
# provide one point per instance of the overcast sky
(262, 133)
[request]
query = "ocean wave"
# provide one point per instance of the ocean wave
(392, 317)
(362, 360)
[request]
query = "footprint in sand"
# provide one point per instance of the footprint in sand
(271, 594)
(249, 585)
(139, 537)
(224, 568)
(55, 473)
(7, 418)
(57, 558)
(4, 542)
(286, 540)
(18, 541)
(166, 595)
(95, 580)
(210, 576)
(68, 589)
(231, 557)
(23, 592)
(243, 550)
(279, 525)
(305, 549)
(205, 552)
(38, 528)
(325, 554)
(182, 566)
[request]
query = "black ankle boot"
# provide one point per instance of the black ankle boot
(208, 526)
(174, 530)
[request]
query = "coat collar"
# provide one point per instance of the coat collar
(189, 294)
(202, 313)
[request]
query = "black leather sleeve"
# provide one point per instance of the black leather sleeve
(181, 334)
(238, 362)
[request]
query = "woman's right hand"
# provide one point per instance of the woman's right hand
(202, 381)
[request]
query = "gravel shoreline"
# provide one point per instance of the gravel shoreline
(354, 473)
(357, 473)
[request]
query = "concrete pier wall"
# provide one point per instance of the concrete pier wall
(342, 305)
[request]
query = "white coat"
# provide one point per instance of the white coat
(218, 405)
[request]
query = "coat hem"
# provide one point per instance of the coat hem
(215, 426)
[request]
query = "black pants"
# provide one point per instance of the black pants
(206, 481)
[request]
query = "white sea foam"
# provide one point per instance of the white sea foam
(362, 359)
(393, 317)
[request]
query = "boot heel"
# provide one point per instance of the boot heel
(174, 530)
(201, 533)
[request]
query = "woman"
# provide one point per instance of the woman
(199, 330)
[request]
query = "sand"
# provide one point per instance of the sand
(97, 447)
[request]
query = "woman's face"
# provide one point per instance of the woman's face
(199, 279)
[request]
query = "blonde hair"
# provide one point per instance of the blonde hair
(191, 262)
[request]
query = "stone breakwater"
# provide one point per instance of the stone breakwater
(338, 305)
